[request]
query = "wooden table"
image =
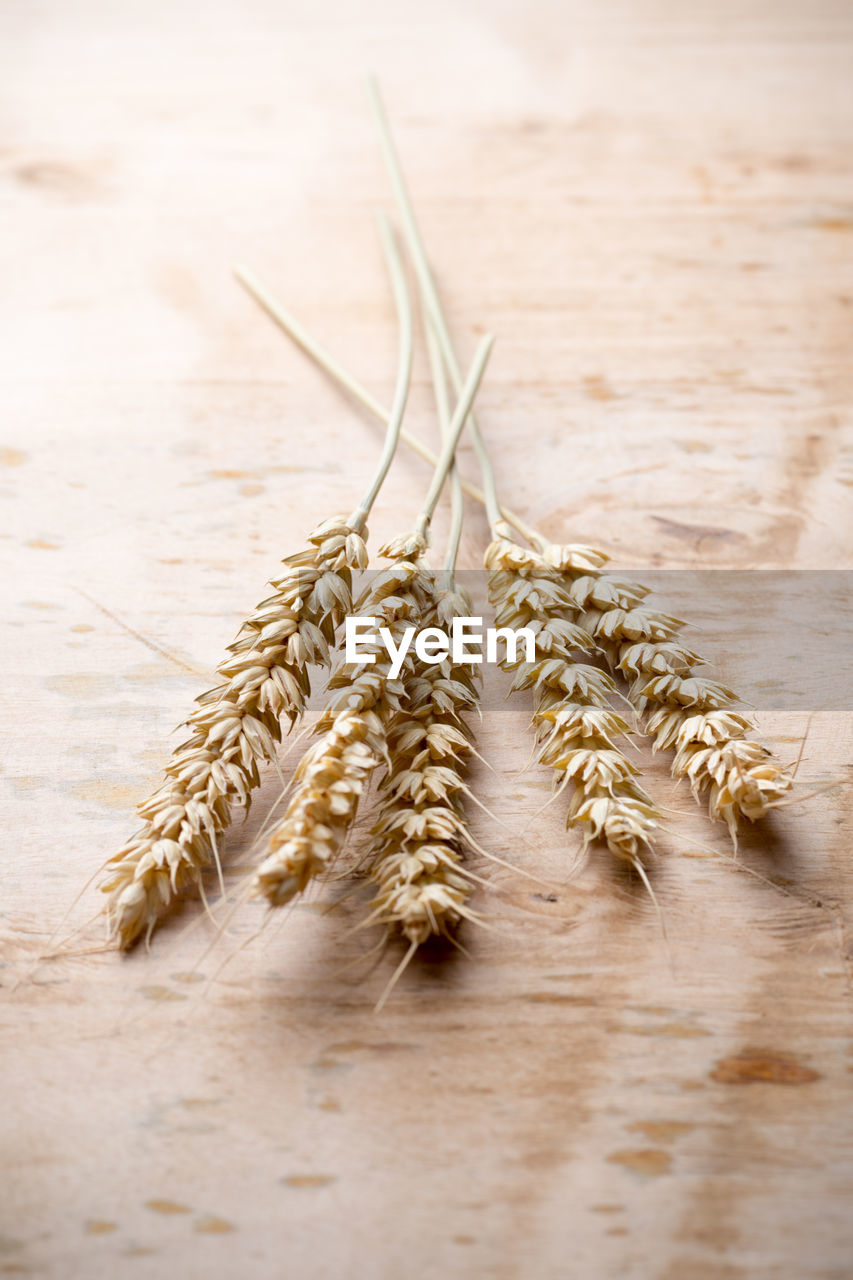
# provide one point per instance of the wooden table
(651, 204)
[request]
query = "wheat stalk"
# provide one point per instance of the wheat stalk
(332, 776)
(236, 728)
(320, 355)
(422, 829)
(691, 714)
(238, 724)
(436, 323)
(575, 731)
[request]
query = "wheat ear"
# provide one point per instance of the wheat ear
(236, 728)
(354, 725)
(740, 775)
(421, 830)
(332, 774)
(238, 724)
(576, 731)
(681, 710)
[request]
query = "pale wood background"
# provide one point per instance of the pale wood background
(651, 203)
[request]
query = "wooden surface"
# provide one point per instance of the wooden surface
(651, 204)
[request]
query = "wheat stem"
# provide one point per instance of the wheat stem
(427, 286)
(404, 369)
(316, 352)
(467, 393)
(321, 357)
(457, 504)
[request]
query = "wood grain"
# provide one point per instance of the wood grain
(651, 204)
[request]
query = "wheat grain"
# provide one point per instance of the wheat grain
(712, 750)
